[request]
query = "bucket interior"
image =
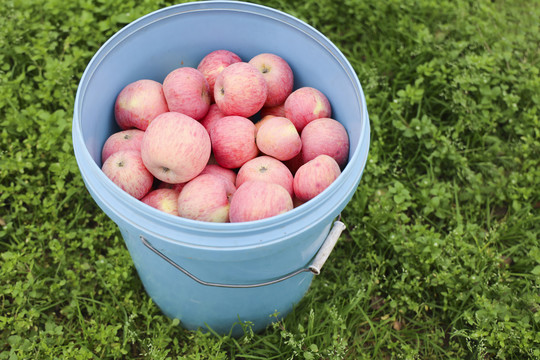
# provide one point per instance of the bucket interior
(153, 48)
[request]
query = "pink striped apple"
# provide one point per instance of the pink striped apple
(266, 168)
(278, 75)
(259, 123)
(176, 187)
(240, 90)
(278, 110)
(315, 176)
(278, 137)
(233, 141)
(139, 103)
(215, 169)
(187, 92)
(206, 198)
(125, 168)
(256, 200)
(325, 136)
(213, 115)
(294, 164)
(165, 200)
(306, 104)
(122, 140)
(175, 148)
(214, 63)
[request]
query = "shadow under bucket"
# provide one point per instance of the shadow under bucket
(211, 274)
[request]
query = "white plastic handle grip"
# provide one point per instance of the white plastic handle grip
(327, 247)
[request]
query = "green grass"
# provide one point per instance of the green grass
(441, 257)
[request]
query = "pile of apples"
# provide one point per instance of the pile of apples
(228, 141)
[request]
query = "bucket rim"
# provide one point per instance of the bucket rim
(351, 172)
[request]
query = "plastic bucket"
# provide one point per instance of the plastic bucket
(208, 274)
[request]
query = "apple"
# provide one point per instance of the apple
(306, 104)
(176, 187)
(278, 110)
(233, 141)
(175, 148)
(266, 168)
(122, 140)
(213, 115)
(165, 200)
(126, 169)
(278, 75)
(240, 89)
(206, 198)
(214, 63)
(139, 103)
(259, 123)
(278, 137)
(294, 164)
(315, 176)
(215, 169)
(297, 202)
(255, 200)
(325, 136)
(187, 91)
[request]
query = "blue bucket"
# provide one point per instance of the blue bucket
(211, 275)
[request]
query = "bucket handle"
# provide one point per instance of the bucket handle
(315, 267)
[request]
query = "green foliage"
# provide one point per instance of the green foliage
(440, 259)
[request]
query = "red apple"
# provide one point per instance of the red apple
(213, 115)
(297, 202)
(255, 200)
(139, 103)
(278, 75)
(175, 148)
(315, 176)
(278, 137)
(214, 63)
(278, 110)
(259, 123)
(176, 187)
(294, 164)
(325, 136)
(186, 91)
(123, 140)
(266, 168)
(206, 198)
(126, 169)
(233, 141)
(215, 169)
(240, 90)
(165, 200)
(306, 104)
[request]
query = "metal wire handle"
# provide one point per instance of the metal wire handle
(315, 267)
